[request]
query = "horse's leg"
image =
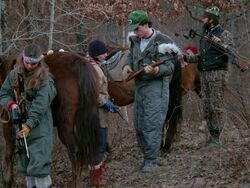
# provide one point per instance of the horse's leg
(67, 137)
(9, 155)
(187, 79)
(76, 173)
(197, 85)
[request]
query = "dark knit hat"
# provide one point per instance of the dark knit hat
(97, 47)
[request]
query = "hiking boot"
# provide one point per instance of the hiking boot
(139, 167)
(96, 177)
(213, 142)
(149, 167)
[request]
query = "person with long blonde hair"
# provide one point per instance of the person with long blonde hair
(37, 127)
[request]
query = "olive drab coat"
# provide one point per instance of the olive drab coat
(103, 94)
(151, 95)
(40, 120)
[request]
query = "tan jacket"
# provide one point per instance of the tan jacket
(103, 94)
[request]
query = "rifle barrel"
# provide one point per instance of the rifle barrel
(26, 146)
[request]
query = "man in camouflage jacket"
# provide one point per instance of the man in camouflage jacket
(213, 66)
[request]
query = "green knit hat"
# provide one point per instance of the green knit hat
(136, 18)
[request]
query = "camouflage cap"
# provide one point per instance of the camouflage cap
(213, 10)
(136, 18)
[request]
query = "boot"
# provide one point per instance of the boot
(213, 142)
(96, 176)
(214, 139)
(150, 165)
(104, 167)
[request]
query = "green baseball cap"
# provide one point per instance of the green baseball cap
(136, 18)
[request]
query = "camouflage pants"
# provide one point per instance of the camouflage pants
(212, 85)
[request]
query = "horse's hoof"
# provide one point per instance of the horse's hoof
(7, 184)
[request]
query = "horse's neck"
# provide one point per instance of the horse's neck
(115, 73)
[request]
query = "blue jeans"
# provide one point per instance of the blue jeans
(102, 147)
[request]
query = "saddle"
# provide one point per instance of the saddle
(112, 67)
(112, 60)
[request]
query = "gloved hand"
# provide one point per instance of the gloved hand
(111, 107)
(11, 105)
(151, 70)
(126, 71)
(24, 131)
(215, 39)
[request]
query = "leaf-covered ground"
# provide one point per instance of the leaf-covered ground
(189, 164)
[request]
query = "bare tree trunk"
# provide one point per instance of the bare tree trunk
(27, 20)
(80, 36)
(2, 28)
(52, 19)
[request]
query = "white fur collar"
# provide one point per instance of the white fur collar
(169, 48)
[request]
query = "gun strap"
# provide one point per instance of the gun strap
(20, 83)
(20, 95)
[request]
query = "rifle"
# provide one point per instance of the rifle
(135, 74)
(19, 115)
(193, 34)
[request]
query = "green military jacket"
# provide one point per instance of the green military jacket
(39, 119)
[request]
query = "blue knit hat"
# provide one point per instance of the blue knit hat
(97, 47)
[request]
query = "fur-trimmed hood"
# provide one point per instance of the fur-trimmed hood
(170, 48)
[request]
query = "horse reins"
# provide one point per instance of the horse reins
(1, 115)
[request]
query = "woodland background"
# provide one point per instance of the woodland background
(71, 25)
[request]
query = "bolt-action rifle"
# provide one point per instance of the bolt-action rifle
(193, 34)
(135, 74)
(19, 115)
(139, 72)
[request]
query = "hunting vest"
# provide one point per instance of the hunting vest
(212, 58)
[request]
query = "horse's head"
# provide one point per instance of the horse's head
(6, 65)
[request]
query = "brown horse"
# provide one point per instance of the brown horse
(191, 79)
(75, 111)
(122, 93)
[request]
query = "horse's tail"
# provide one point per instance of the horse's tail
(174, 114)
(87, 119)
